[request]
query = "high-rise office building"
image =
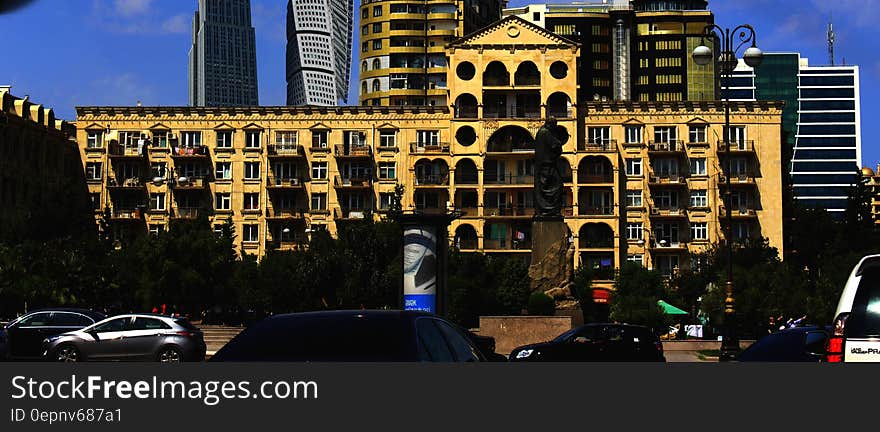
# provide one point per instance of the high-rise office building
(633, 50)
(223, 57)
(319, 38)
(403, 43)
(821, 123)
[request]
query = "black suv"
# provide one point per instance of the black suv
(598, 343)
(351, 336)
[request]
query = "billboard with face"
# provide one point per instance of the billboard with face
(420, 268)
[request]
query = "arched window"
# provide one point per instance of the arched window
(496, 74)
(377, 64)
(527, 74)
(377, 86)
(364, 87)
(364, 66)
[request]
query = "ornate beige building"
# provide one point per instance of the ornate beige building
(643, 181)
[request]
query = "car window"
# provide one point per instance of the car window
(865, 318)
(69, 319)
(589, 332)
(461, 348)
(115, 325)
(183, 322)
(141, 323)
(41, 319)
(613, 333)
(432, 339)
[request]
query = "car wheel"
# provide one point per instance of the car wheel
(169, 354)
(67, 354)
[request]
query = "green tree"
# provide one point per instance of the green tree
(635, 297)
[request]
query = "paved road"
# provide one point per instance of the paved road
(684, 357)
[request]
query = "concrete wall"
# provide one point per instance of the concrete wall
(511, 332)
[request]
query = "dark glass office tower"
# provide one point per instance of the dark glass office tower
(223, 59)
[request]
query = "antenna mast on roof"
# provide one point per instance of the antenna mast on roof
(831, 39)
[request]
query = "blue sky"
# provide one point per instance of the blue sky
(65, 53)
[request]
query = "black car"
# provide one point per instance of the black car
(23, 337)
(596, 343)
(799, 344)
(351, 336)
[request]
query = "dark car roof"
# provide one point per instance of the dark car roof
(354, 335)
(97, 316)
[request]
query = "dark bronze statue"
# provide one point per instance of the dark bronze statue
(548, 179)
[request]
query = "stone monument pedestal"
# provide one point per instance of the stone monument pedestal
(552, 258)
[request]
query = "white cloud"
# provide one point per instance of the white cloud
(177, 24)
(129, 8)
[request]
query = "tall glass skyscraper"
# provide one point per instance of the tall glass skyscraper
(319, 42)
(821, 123)
(223, 57)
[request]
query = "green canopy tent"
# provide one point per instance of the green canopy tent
(669, 309)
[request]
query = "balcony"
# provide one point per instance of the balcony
(666, 147)
(194, 152)
(353, 152)
(603, 146)
(493, 179)
(352, 182)
(512, 112)
(119, 151)
(441, 148)
(126, 215)
(350, 214)
(560, 113)
(468, 212)
(668, 244)
(595, 179)
(431, 180)
(279, 183)
(738, 179)
(319, 148)
(187, 213)
(190, 183)
(507, 245)
(738, 212)
(595, 210)
(280, 151)
(126, 184)
(668, 212)
(509, 212)
(737, 147)
(283, 214)
(667, 179)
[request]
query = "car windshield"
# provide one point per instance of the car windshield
(566, 336)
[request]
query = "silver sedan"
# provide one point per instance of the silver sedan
(137, 337)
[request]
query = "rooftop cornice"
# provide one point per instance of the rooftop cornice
(682, 106)
(254, 111)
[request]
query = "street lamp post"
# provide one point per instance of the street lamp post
(730, 42)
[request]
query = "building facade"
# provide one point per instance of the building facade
(403, 47)
(319, 47)
(639, 50)
(42, 188)
(644, 183)
(821, 123)
(223, 56)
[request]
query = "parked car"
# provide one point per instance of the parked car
(132, 337)
(855, 334)
(799, 344)
(596, 342)
(21, 339)
(351, 336)
(486, 345)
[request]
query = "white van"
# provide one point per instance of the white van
(855, 335)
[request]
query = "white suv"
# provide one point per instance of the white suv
(855, 336)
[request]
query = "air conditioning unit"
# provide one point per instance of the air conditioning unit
(294, 181)
(674, 178)
(722, 179)
(655, 211)
(652, 179)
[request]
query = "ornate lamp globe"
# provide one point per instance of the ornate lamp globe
(702, 55)
(753, 56)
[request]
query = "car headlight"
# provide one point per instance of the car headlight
(524, 353)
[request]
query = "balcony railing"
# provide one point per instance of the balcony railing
(421, 147)
(284, 182)
(670, 146)
(667, 178)
(285, 150)
(190, 183)
(596, 243)
(508, 179)
(737, 178)
(742, 211)
(595, 178)
(188, 212)
(737, 146)
(193, 151)
(668, 243)
(466, 112)
(353, 151)
(284, 213)
(432, 180)
(352, 182)
(596, 210)
(468, 211)
(560, 113)
(670, 211)
(466, 179)
(598, 146)
(125, 183)
(505, 244)
(512, 112)
(350, 213)
(120, 150)
(513, 211)
(126, 214)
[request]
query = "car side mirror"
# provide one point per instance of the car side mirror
(580, 340)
